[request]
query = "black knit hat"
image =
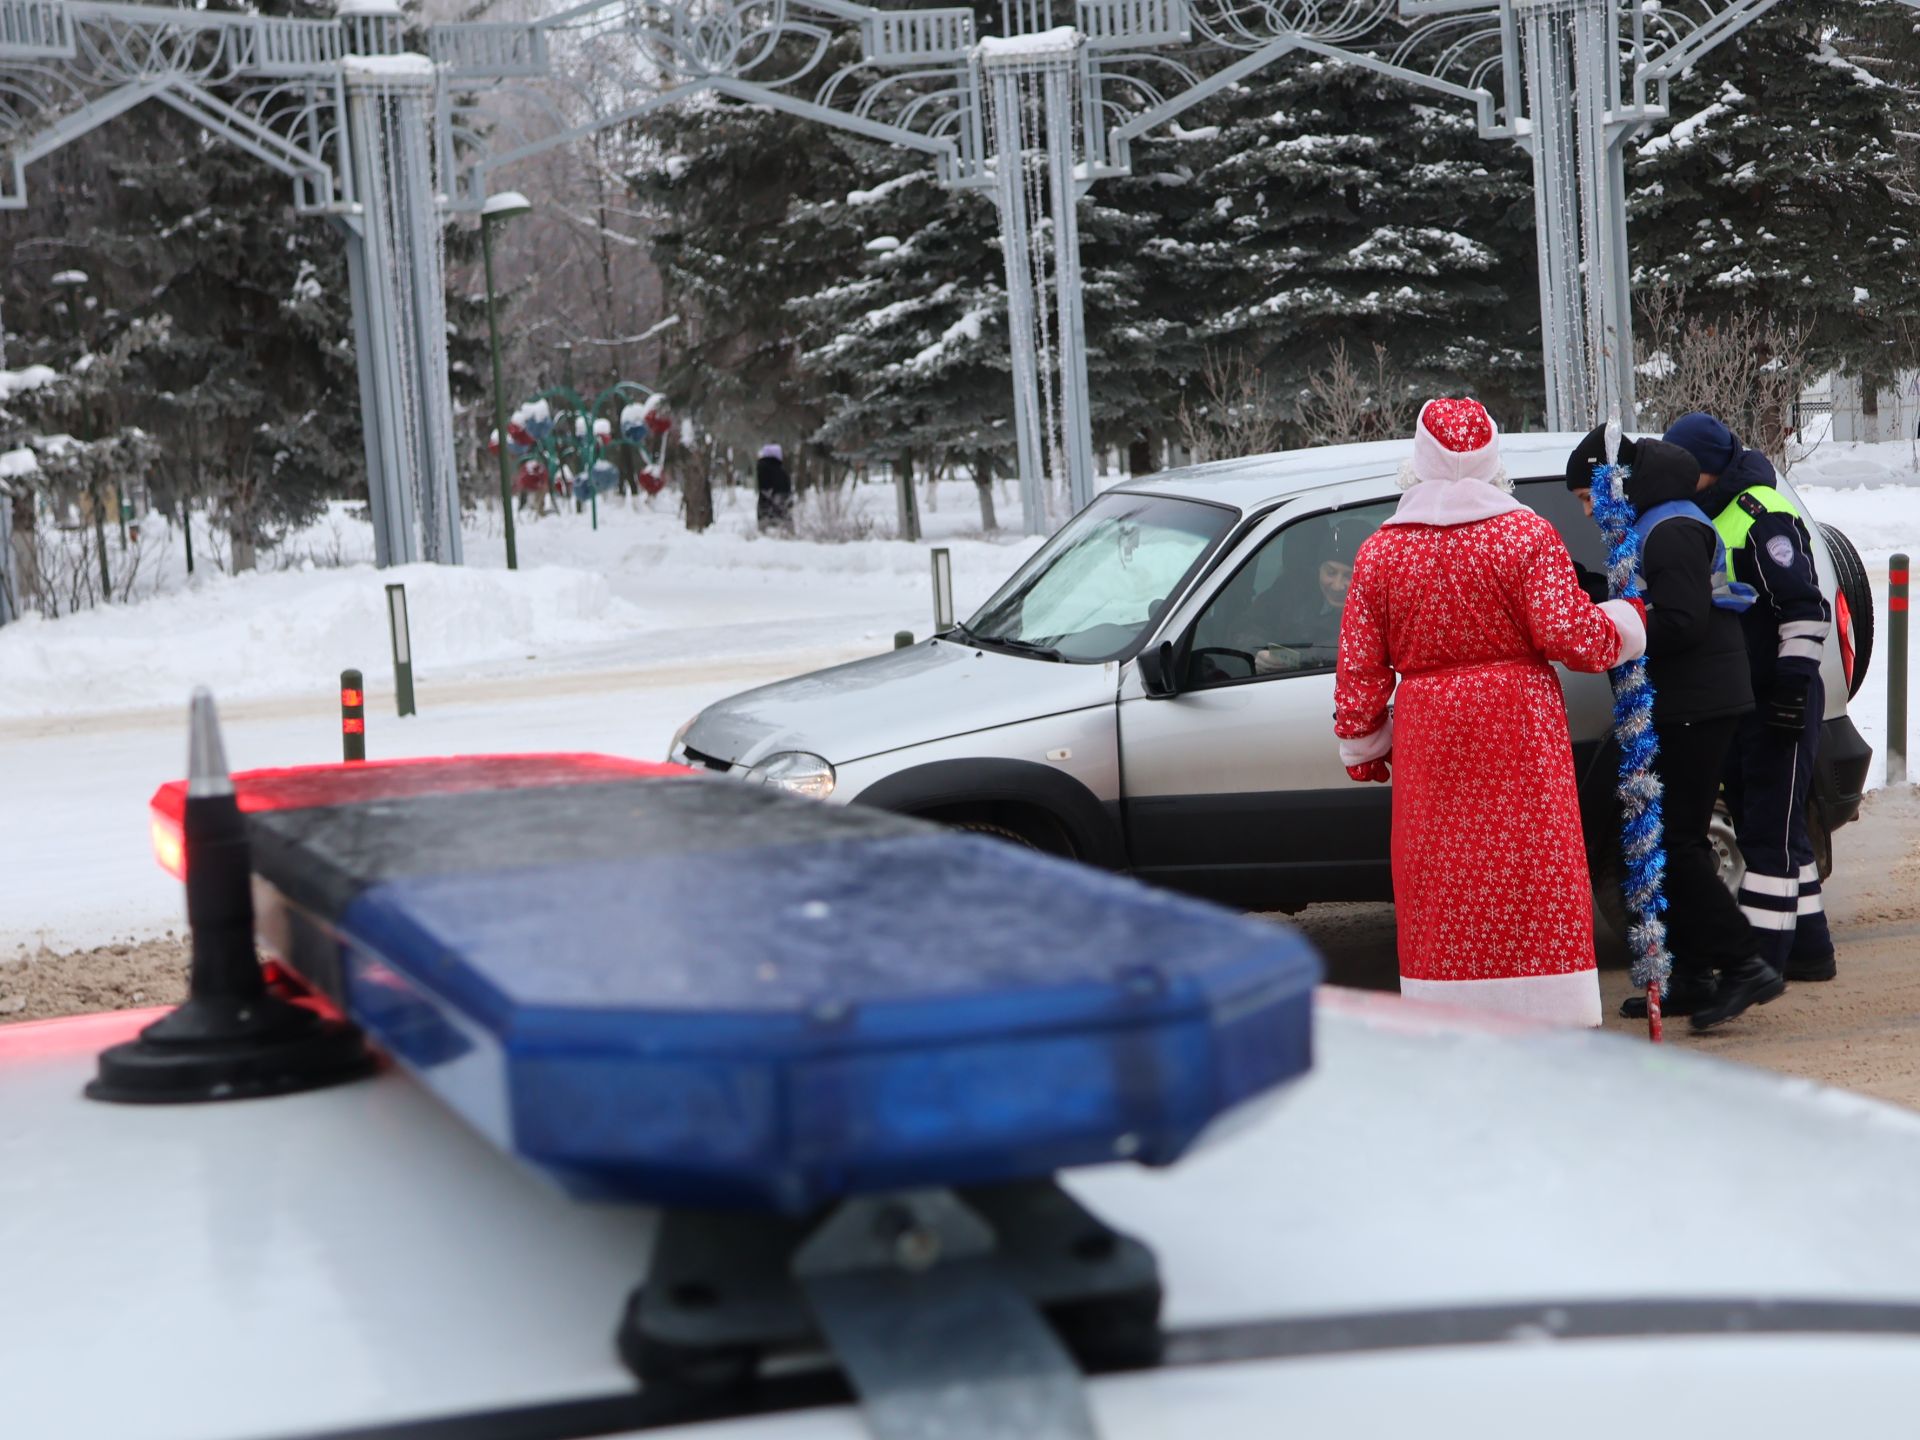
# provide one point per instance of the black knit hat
(1592, 451)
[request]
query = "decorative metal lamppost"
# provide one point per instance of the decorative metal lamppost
(500, 208)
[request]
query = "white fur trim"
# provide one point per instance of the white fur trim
(1368, 747)
(1572, 999)
(1633, 634)
(1452, 502)
(1408, 477)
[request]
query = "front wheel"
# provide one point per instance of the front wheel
(998, 832)
(1025, 826)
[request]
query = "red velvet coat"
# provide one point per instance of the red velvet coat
(1489, 868)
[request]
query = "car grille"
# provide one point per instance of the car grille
(708, 762)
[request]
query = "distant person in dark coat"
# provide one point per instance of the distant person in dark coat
(776, 490)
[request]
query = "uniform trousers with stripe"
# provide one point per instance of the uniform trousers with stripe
(1767, 786)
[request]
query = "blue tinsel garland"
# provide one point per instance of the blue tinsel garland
(1642, 830)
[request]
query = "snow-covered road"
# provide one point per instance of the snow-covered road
(607, 641)
(75, 867)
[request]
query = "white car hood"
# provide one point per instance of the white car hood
(925, 692)
(1424, 1163)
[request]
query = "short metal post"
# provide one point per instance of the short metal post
(902, 639)
(353, 716)
(1897, 671)
(942, 590)
(402, 649)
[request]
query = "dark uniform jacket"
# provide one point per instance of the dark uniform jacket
(1696, 656)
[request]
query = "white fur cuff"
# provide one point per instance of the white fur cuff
(1633, 634)
(1368, 748)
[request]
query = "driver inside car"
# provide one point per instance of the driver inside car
(1290, 624)
(1313, 627)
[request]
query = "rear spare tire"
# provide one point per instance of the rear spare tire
(1854, 615)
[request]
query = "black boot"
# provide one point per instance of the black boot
(1686, 994)
(1811, 969)
(1751, 982)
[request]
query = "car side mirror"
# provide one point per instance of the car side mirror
(1158, 671)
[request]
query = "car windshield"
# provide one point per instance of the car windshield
(1093, 591)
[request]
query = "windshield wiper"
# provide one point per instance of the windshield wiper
(1005, 642)
(1025, 647)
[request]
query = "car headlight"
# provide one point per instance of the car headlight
(797, 772)
(674, 751)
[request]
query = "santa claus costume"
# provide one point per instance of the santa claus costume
(1469, 596)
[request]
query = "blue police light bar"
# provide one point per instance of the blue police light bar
(701, 994)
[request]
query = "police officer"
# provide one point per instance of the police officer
(1697, 666)
(1786, 631)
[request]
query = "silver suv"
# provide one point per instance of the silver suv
(1153, 690)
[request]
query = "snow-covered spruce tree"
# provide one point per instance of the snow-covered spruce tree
(910, 349)
(722, 180)
(1346, 207)
(1781, 189)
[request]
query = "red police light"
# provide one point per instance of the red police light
(305, 786)
(169, 846)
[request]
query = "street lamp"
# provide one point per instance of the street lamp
(503, 206)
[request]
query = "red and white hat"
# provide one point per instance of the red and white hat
(1455, 440)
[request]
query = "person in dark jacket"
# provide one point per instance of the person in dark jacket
(776, 489)
(1770, 549)
(1697, 666)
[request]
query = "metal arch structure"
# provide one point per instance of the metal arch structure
(1569, 81)
(1016, 116)
(1033, 117)
(337, 108)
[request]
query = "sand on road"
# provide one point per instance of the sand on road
(1860, 1031)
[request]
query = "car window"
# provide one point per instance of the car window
(1095, 588)
(1551, 500)
(1280, 613)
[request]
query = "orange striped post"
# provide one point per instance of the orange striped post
(353, 716)
(1897, 671)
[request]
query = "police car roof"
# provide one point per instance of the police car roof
(1256, 480)
(356, 1258)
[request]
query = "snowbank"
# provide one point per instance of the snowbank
(257, 635)
(639, 592)
(1849, 465)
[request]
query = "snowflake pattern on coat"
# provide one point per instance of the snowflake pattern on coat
(1489, 866)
